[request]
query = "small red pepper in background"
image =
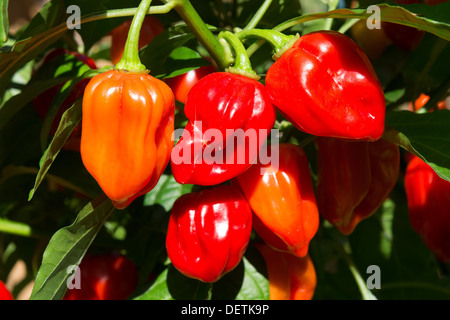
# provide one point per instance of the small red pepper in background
(128, 121)
(41, 103)
(109, 276)
(354, 179)
(406, 38)
(209, 232)
(182, 84)
(226, 104)
(428, 198)
(5, 294)
(151, 27)
(326, 86)
(290, 277)
(282, 198)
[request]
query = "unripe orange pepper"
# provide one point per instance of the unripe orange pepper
(283, 201)
(128, 121)
(290, 277)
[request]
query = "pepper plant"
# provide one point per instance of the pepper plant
(109, 148)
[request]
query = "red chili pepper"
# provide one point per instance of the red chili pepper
(128, 121)
(182, 84)
(4, 292)
(209, 232)
(282, 199)
(354, 179)
(42, 102)
(151, 27)
(290, 277)
(326, 86)
(226, 106)
(428, 198)
(109, 276)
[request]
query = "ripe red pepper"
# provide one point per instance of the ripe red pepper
(407, 38)
(354, 179)
(282, 199)
(4, 292)
(109, 276)
(428, 198)
(209, 232)
(151, 27)
(326, 86)
(41, 103)
(290, 277)
(128, 121)
(182, 84)
(228, 105)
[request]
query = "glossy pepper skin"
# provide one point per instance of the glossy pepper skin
(4, 292)
(106, 276)
(151, 27)
(183, 83)
(326, 86)
(228, 105)
(209, 232)
(290, 277)
(41, 103)
(354, 179)
(428, 198)
(282, 199)
(128, 121)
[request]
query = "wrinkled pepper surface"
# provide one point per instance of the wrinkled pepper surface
(326, 86)
(428, 198)
(282, 199)
(208, 232)
(354, 179)
(127, 126)
(290, 277)
(221, 107)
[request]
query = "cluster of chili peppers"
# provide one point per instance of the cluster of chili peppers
(322, 82)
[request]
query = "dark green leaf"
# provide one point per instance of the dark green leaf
(69, 121)
(166, 191)
(67, 247)
(427, 135)
(172, 285)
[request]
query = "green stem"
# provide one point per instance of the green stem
(258, 15)
(130, 60)
(19, 228)
(242, 63)
(201, 31)
(279, 41)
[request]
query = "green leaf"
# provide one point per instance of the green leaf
(426, 135)
(166, 191)
(69, 121)
(154, 55)
(67, 247)
(4, 21)
(172, 285)
(432, 19)
(182, 60)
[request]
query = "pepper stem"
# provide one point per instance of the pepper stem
(279, 41)
(242, 63)
(130, 59)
